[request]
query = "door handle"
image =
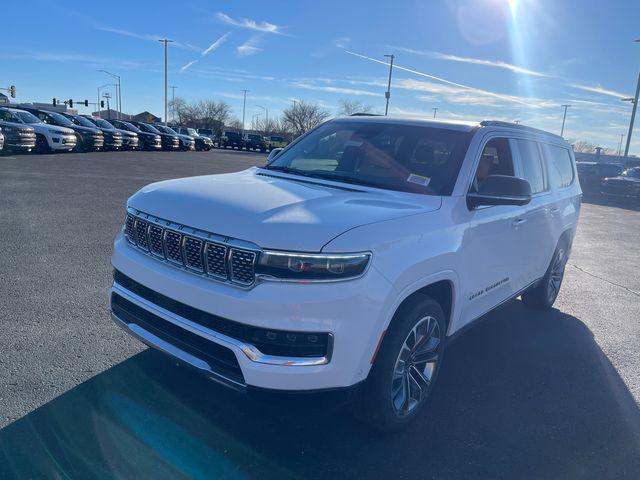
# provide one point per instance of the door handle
(554, 210)
(518, 221)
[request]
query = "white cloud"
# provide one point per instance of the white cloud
(250, 47)
(187, 65)
(215, 44)
(325, 88)
(598, 89)
(152, 38)
(247, 23)
(342, 42)
(474, 61)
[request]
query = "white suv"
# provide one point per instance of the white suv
(350, 258)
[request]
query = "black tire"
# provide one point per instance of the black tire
(544, 293)
(41, 144)
(379, 401)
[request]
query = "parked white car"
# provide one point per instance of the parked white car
(350, 258)
(48, 137)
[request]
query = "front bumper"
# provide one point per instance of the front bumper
(351, 312)
(63, 142)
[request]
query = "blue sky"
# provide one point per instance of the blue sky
(471, 59)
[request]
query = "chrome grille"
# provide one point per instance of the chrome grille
(141, 234)
(191, 249)
(215, 256)
(173, 243)
(242, 266)
(129, 230)
(155, 240)
(193, 253)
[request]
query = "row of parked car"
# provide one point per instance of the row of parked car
(25, 129)
(609, 179)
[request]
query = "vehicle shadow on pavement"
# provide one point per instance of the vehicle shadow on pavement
(523, 395)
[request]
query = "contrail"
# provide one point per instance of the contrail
(184, 67)
(439, 79)
(215, 44)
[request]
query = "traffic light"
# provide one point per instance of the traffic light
(101, 103)
(70, 103)
(86, 103)
(12, 91)
(55, 102)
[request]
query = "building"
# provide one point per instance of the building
(110, 114)
(146, 117)
(4, 100)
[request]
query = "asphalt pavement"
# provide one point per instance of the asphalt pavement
(523, 394)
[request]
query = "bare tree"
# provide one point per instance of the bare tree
(349, 107)
(234, 124)
(303, 116)
(202, 114)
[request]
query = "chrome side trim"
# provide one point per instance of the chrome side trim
(250, 351)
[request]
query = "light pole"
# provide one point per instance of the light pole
(435, 110)
(118, 92)
(387, 94)
(266, 112)
(100, 88)
(564, 117)
(166, 42)
(633, 112)
(173, 103)
(244, 106)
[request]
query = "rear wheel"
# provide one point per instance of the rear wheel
(405, 370)
(544, 293)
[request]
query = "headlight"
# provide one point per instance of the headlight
(308, 267)
(57, 132)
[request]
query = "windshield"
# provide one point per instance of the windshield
(83, 121)
(26, 117)
(277, 139)
(192, 132)
(167, 129)
(102, 123)
(60, 119)
(255, 138)
(398, 157)
(148, 128)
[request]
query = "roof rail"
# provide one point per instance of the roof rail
(500, 123)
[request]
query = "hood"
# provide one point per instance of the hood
(14, 125)
(44, 127)
(126, 133)
(275, 210)
(83, 129)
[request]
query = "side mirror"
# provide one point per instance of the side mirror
(500, 190)
(274, 153)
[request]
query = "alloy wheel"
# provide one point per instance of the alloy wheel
(556, 274)
(415, 366)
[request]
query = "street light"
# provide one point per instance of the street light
(387, 94)
(173, 103)
(118, 92)
(266, 111)
(633, 113)
(244, 105)
(564, 117)
(166, 42)
(100, 88)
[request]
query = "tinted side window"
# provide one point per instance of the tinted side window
(495, 160)
(531, 164)
(560, 165)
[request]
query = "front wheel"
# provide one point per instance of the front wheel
(405, 370)
(542, 295)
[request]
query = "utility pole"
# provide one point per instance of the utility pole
(166, 42)
(620, 144)
(633, 100)
(387, 94)
(244, 106)
(173, 103)
(435, 110)
(118, 92)
(564, 117)
(100, 88)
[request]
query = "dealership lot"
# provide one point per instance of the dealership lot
(523, 395)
